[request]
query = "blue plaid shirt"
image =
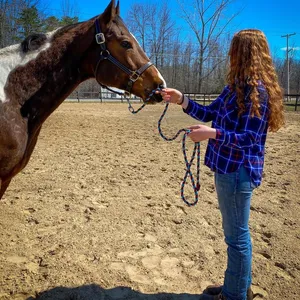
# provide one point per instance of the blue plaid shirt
(239, 140)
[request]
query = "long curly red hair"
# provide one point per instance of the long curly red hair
(251, 62)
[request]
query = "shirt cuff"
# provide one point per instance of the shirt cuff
(220, 136)
(189, 107)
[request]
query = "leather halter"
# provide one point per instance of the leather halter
(105, 55)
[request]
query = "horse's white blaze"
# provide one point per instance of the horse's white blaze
(135, 38)
(11, 57)
(161, 77)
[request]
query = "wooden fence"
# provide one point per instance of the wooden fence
(291, 101)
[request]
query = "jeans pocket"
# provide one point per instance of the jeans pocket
(245, 184)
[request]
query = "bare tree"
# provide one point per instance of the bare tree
(153, 27)
(208, 23)
(69, 9)
(138, 22)
(162, 29)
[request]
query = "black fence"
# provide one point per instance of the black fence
(291, 101)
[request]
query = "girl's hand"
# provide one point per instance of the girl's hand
(171, 95)
(201, 132)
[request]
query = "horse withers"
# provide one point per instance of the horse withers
(38, 74)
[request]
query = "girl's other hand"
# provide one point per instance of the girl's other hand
(201, 132)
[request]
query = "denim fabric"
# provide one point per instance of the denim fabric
(234, 192)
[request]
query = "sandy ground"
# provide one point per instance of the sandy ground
(97, 213)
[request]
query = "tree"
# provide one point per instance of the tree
(161, 29)
(51, 23)
(66, 20)
(138, 22)
(207, 22)
(68, 9)
(28, 22)
(154, 28)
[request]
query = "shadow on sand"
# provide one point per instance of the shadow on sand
(95, 292)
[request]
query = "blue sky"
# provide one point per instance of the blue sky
(274, 17)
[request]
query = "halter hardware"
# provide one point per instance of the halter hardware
(134, 76)
(105, 55)
(100, 38)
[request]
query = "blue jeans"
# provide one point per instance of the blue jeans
(234, 192)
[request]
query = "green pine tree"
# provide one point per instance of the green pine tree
(28, 22)
(51, 23)
(66, 20)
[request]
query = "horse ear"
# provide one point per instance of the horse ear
(118, 9)
(109, 12)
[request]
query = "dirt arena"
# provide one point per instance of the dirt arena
(97, 213)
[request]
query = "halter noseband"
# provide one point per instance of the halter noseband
(105, 55)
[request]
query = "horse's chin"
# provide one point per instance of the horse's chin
(156, 98)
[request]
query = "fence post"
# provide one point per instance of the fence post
(77, 94)
(100, 95)
(296, 104)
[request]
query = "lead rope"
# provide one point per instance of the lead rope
(188, 173)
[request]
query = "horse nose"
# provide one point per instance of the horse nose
(162, 86)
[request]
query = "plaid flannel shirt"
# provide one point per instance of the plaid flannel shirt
(239, 140)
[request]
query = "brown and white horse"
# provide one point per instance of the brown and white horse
(38, 74)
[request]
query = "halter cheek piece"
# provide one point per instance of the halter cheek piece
(105, 55)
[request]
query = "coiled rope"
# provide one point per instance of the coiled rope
(188, 163)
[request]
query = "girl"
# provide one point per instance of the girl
(249, 106)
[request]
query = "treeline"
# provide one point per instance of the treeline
(189, 46)
(19, 18)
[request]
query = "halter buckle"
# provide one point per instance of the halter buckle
(134, 76)
(100, 38)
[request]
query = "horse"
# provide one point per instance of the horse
(37, 75)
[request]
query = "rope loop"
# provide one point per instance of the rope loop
(188, 163)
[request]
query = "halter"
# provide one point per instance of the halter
(105, 55)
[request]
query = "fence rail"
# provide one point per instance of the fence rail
(290, 100)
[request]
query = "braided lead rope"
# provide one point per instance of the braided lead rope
(188, 173)
(130, 107)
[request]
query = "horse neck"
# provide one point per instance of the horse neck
(40, 106)
(47, 81)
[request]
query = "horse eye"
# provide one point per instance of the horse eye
(126, 45)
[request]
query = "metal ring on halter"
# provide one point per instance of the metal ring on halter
(105, 54)
(127, 94)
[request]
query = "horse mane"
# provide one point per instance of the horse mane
(33, 42)
(62, 30)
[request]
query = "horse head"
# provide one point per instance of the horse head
(117, 59)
